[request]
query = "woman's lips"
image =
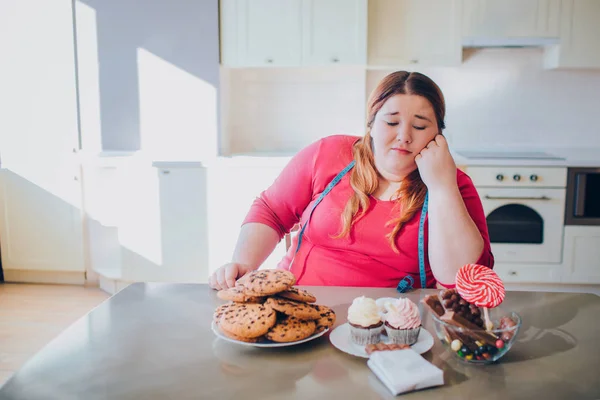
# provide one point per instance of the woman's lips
(401, 151)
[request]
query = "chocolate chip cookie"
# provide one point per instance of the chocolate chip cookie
(238, 295)
(301, 311)
(297, 294)
(267, 282)
(326, 318)
(241, 338)
(290, 329)
(220, 311)
(248, 320)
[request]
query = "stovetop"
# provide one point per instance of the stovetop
(507, 155)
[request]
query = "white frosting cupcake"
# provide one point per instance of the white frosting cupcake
(365, 322)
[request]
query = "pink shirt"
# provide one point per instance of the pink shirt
(365, 258)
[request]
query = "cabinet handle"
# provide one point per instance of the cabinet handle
(513, 273)
(269, 60)
(166, 171)
(543, 198)
(415, 61)
(335, 59)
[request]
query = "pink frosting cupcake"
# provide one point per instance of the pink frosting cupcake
(402, 322)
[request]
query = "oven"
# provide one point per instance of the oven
(583, 197)
(524, 208)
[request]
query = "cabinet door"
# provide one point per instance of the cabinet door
(334, 32)
(162, 230)
(511, 18)
(579, 36)
(269, 32)
(414, 32)
(582, 254)
(40, 192)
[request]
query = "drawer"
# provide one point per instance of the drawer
(517, 273)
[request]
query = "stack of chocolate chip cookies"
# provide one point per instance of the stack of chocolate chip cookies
(265, 306)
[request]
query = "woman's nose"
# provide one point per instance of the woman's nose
(403, 134)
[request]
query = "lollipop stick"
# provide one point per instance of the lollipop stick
(488, 322)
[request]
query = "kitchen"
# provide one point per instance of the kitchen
(518, 78)
(119, 176)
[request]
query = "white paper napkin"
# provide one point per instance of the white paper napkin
(403, 371)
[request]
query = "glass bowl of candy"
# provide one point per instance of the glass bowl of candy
(475, 345)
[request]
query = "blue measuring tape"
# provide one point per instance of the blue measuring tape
(407, 282)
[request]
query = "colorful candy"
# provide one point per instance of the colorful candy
(456, 345)
(480, 285)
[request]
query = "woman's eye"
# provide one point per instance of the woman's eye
(420, 128)
(392, 123)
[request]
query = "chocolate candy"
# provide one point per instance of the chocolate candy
(451, 301)
(452, 318)
(434, 304)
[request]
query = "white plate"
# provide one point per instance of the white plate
(340, 338)
(218, 332)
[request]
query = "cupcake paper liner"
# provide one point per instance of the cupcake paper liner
(364, 336)
(403, 336)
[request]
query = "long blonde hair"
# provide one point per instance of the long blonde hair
(364, 177)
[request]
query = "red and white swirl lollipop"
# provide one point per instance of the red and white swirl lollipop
(481, 286)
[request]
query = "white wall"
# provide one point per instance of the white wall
(149, 76)
(497, 97)
(503, 97)
(284, 109)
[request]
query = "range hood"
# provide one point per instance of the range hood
(480, 42)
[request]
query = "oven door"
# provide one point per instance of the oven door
(525, 225)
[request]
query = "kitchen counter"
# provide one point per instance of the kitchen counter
(154, 341)
(569, 157)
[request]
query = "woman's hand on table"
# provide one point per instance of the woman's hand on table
(436, 165)
(225, 276)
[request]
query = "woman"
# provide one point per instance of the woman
(400, 211)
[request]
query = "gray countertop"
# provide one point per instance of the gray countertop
(569, 157)
(154, 341)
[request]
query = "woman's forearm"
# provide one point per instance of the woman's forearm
(454, 239)
(255, 243)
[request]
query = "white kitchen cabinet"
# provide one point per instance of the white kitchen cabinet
(162, 228)
(40, 191)
(334, 32)
(284, 33)
(582, 254)
(579, 36)
(493, 19)
(41, 230)
(261, 32)
(419, 32)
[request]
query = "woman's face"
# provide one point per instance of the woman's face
(401, 129)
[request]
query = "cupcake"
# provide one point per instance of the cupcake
(365, 323)
(402, 322)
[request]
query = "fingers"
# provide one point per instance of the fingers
(441, 141)
(231, 273)
(212, 282)
(221, 278)
(418, 159)
(224, 277)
